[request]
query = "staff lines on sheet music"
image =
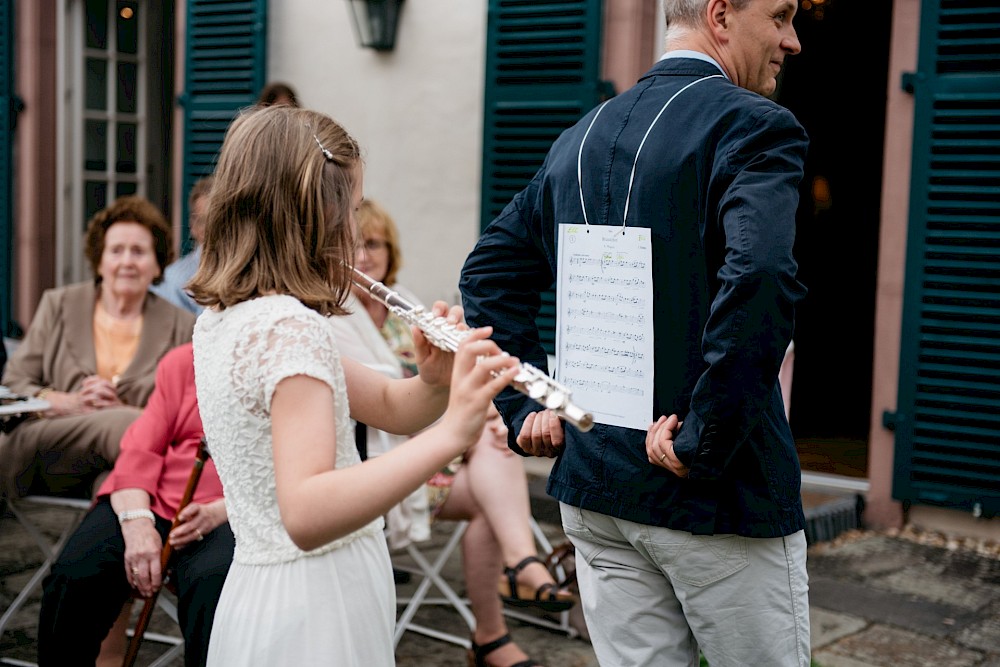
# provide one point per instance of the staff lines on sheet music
(603, 386)
(633, 283)
(622, 334)
(606, 315)
(615, 298)
(632, 354)
(607, 262)
(615, 369)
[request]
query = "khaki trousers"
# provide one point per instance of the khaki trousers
(55, 454)
(655, 596)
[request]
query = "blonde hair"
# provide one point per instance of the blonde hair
(372, 218)
(279, 216)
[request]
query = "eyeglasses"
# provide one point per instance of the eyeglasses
(374, 245)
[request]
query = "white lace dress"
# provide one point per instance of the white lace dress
(280, 605)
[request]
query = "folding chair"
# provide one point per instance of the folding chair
(428, 573)
(22, 510)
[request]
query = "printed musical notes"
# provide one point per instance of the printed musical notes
(604, 321)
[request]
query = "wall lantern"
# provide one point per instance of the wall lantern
(375, 22)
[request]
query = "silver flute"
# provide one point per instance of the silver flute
(529, 380)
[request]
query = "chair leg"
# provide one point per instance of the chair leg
(430, 574)
(51, 551)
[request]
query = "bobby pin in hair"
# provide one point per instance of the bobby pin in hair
(327, 154)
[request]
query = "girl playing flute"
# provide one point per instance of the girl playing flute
(311, 581)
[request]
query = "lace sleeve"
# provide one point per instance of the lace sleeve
(294, 345)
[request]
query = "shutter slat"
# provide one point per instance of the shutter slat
(542, 65)
(948, 444)
(965, 36)
(225, 64)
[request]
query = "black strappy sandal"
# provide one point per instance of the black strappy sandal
(477, 654)
(549, 597)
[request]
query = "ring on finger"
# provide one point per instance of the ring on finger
(200, 536)
(662, 456)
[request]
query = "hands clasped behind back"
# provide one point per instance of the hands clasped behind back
(660, 445)
(541, 434)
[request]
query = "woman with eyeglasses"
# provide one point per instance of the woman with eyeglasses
(487, 486)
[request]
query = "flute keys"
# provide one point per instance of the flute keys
(536, 390)
(555, 400)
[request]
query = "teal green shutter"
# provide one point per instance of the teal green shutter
(224, 70)
(7, 113)
(948, 419)
(542, 75)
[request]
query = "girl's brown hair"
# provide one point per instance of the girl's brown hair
(279, 218)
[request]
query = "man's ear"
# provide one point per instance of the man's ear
(717, 15)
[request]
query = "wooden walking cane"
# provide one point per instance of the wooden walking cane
(150, 603)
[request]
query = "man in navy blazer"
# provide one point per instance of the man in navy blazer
(689, 535)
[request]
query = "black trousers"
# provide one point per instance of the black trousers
(85, 591)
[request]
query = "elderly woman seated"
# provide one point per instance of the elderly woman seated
(91, 352)
(117, 547)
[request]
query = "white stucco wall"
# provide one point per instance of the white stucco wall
(416, 111)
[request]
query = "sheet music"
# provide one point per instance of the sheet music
(604, 321)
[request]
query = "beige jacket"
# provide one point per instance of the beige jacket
(58, 352)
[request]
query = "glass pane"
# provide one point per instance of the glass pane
(123, 189)
(97, 24)
(125, 162)
(95, 152)
(128, 27)
(96, 84)
(95, 197)
(126, 87)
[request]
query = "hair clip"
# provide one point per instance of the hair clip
(327, 154)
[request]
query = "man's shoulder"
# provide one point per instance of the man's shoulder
(744, 113)
(183, 269)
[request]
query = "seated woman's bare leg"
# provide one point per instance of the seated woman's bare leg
(114, 645)
(499, 484)
(481, 564)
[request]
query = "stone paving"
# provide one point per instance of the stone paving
(885, 600)
(878, 600)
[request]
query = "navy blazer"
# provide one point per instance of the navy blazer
(717, 183)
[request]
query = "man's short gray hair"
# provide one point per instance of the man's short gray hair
(691, 13)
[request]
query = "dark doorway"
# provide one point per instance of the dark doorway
(837, 89)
